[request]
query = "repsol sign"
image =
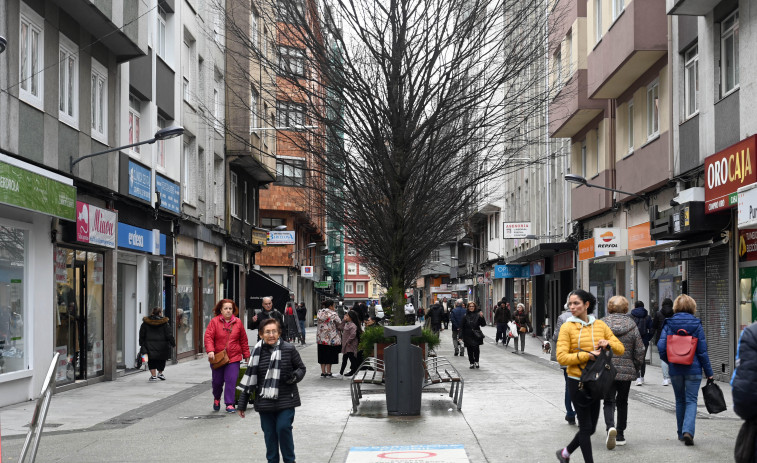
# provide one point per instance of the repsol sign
(728, 170)
(610, 239)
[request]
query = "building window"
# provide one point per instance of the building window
(290, 172)
(31, 57)
(245, 203)
(729, 53)
(630, 126)
(691, 82)
(348, 289)
(558, 69)
(233, 194)
(653, 110)
(160, 40)
(617, 8)
(351, 268)
(160, 157)
(186, 65)
(254, 98)
(254, 31)
(598, 17)
(359, 288)
(435, 256)
(362, 269)
(68, 82)
(584, 161)
(290, 114)
(217, 122)
(99, 93)
(291, 11)
(351, 251)
(16, 323)
(496, 225)
(135, 116)
(271, 223)
(569, 53)
(291, 61)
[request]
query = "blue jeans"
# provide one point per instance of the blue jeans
(570, 414)
(277, 431)
(686, 390)
(665, 370)
(302, 329)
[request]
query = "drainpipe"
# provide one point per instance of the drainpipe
(671, 157)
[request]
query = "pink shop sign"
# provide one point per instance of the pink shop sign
(95, 225)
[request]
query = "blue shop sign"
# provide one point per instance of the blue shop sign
(140, 239)
(170, 193)
(511, 271)
(140, 181)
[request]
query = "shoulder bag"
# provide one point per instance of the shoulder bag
(478, 334)
(598, 375)
(221, 358)
(681, 348)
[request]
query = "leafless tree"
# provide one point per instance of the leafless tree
(415, 104)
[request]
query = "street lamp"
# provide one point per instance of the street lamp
(3, 44)
(469, 245)
(160, 135)
(537, 237)
(573, 178)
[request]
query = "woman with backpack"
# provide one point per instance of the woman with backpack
(644, 323)
(685, 378)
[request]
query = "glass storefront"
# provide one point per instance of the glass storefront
(184, 305)
(208, 293)
(13, 265)
(747, 297)
(155, 285)
(602, 284)
(79, 315)
(664, 281)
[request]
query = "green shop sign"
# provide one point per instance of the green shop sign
(28, 190)
(321, 284)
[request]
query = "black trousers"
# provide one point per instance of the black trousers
(474, 352)
(617, 397)
(155, 364)
(587, 412)
(353, 363)
(501, 332)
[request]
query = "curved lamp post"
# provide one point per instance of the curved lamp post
(162, 134)
(3, 44)
(573, 178)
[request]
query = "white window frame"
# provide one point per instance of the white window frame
(186, 66)
(598, 21)
(290, 114)
(160, 32)
(558, 69)
(68, 82)
(254, 119)
(99, 102)
(291, 61)
(348, 288)
(362, 270)
(217, 122)
(351, 250)
(135, 120)
(359, 287)
(630, 127)
(160, 146)
(255, 29)
(729, 62)
(569, 50)
(31, 72)
(617, 8)
(653, 110)
(691, 82)
(219, 22)
(351, 268)
(233, 195)
(245, 204)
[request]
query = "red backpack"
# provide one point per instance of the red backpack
(681, 348)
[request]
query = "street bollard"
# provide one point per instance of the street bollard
(403, 371)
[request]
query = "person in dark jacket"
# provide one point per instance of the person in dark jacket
(156, 340)
(267, 312)
(520, 317)
(456, 317)
(644, 323)
(435, 316)
(686, 378)
(447, 307)
(472, 322)
(665, 312)
(302, 312)
(271, 378)
(501, 317)
(744, 380)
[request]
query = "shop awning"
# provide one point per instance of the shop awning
(541, 251)
(260, 285)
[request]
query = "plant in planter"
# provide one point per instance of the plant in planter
(374, 335)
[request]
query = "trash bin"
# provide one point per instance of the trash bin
(403, 371)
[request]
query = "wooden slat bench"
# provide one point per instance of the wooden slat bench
(440, 370)
(371, 371)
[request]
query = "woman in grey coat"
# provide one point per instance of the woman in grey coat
(624, 328)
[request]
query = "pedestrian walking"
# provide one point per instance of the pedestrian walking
(744, 392)
(302, 313)
(435, 317)
(328, 338)
(267, 312)
(644, 324)
(456, 317)
(225, 334)
(624, 328)
(580, 340)
(271, 378)
(156, 340)
(570, 414)
(665, 312)
(501, 317)
(291, 324)
(421, 314)
(520, 317)
(471, 333)
(351, 331)
(686, 378)
(447, 306)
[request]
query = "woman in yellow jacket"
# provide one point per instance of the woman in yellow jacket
(581, 338)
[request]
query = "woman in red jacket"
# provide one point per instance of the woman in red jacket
(226, 331)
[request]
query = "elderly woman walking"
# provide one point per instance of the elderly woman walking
(328, 337)
(624, 328)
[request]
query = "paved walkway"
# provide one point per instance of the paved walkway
(512, 411)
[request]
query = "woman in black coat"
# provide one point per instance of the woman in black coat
(156, 340)
(275, 392)
(472, 323)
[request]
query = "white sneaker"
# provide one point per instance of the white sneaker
(666, 382)
(336, 376)
(611, 433)
(639, 381)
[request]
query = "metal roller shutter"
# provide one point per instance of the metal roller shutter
(716, 313)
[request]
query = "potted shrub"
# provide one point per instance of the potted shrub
(373, 342)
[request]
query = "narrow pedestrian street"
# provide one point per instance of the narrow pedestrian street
(512, 411)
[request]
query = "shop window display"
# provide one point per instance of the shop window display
(13, 264)
(184, 305)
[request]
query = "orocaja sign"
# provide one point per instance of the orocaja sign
(726, 171)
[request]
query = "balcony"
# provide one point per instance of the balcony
(586, 202)
(572, 109)
(690, 7)
(635, 42)
(646, 169)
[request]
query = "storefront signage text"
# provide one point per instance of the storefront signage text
(563, 261)
(140, 182)
(516, 230)
(95, 225)
(22, 187)
(306, 271)
(170, 194)
(280, 237)
(511, 271)
(586, 249)
(140, 239)
(747, 245)
(748, 206)
(609, 239)
(728, 170)
(259, 237)
(639, 236)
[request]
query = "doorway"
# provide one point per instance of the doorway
(126, 315)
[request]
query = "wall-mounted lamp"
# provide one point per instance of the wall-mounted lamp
(3, 44)
(573, 178)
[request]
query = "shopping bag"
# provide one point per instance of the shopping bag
(512, 330)
(713, 397)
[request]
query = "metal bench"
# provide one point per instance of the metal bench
(371, 371)
(440, 370)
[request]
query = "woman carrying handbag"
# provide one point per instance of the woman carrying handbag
(580, 340)
(226, 344)
(685, 378)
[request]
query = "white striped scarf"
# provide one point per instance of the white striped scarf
(249, 382)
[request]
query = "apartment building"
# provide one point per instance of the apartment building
(356, 276)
